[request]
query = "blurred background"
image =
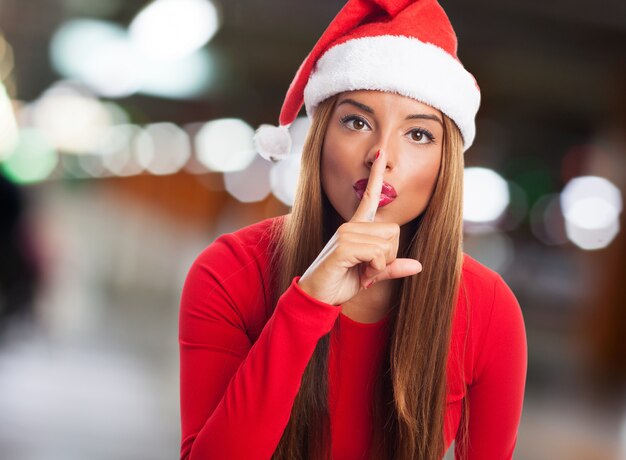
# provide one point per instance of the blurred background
(126, 148)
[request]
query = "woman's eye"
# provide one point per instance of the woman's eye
(354, 123)
(422, 136)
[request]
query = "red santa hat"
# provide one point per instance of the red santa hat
(406, 47)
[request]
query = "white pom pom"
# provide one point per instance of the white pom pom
(272, 142)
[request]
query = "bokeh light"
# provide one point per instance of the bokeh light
(7, 59)
(193, 165)
(8, 125)
(102, 55)
(284, 178)
(486, 195)
(119, 150)
(32, 159)
(173, 29)
(591, 206)
(72, 168)
(97, 53)
(225, 145)
(546, 220)
(93, 165)
(71, 120)
(163, 148)
(184, 78)
(298, 132)
(252, 184)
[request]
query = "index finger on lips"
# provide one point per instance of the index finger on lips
(366, 211)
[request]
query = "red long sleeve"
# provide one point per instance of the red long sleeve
(241, 370)
(236, 397)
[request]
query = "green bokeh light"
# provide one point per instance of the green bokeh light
(32, 160)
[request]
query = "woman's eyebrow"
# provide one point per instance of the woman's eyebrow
(425, 117)
(363, 107)
(368, 109)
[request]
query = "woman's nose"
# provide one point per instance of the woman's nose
(371, 156)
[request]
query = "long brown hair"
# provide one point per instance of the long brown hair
(410, 402)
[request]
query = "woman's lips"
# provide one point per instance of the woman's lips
(387, 195)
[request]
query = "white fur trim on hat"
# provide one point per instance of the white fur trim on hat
(399, 64)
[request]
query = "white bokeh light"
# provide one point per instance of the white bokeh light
(582, 194)
(76, 40)
(114, 70)
(486, 195)
(118, 149)
(193, 165)
(252, 184)
(591, 206)
(172, 29)
(71, 120)
(163, 148)
(298, 131)
(99, 54)
(92, 164)
(186, 77)
(225, 145)
(8, 125)
(591, 238)
(284, 178)
(102, 55)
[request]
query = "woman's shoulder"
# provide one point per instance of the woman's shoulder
(492, 305)
(256, 236)
(484, 286)
(495, 318)
(232, 252)
(476, 272)
(230, 274)
(481, 283)
(246, 245)
(474, 321)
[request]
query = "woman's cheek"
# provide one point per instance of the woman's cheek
(331, 159)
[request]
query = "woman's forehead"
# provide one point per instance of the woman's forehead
(374, 99)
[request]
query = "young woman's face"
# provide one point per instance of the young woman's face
(411, 134)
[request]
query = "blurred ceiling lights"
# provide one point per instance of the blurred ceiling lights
(591, 206)
(161, 54)
(225, 145)
(486, 195)
(167, 30)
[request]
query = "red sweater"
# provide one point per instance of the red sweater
(240, 370)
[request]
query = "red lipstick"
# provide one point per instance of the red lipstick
(387, 194)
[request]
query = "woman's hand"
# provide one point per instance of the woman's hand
(360, 252)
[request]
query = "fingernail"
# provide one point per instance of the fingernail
(377, 155)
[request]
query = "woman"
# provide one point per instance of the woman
(355, 327)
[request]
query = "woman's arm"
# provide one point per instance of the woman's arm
(496, 394)
(236, 396)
